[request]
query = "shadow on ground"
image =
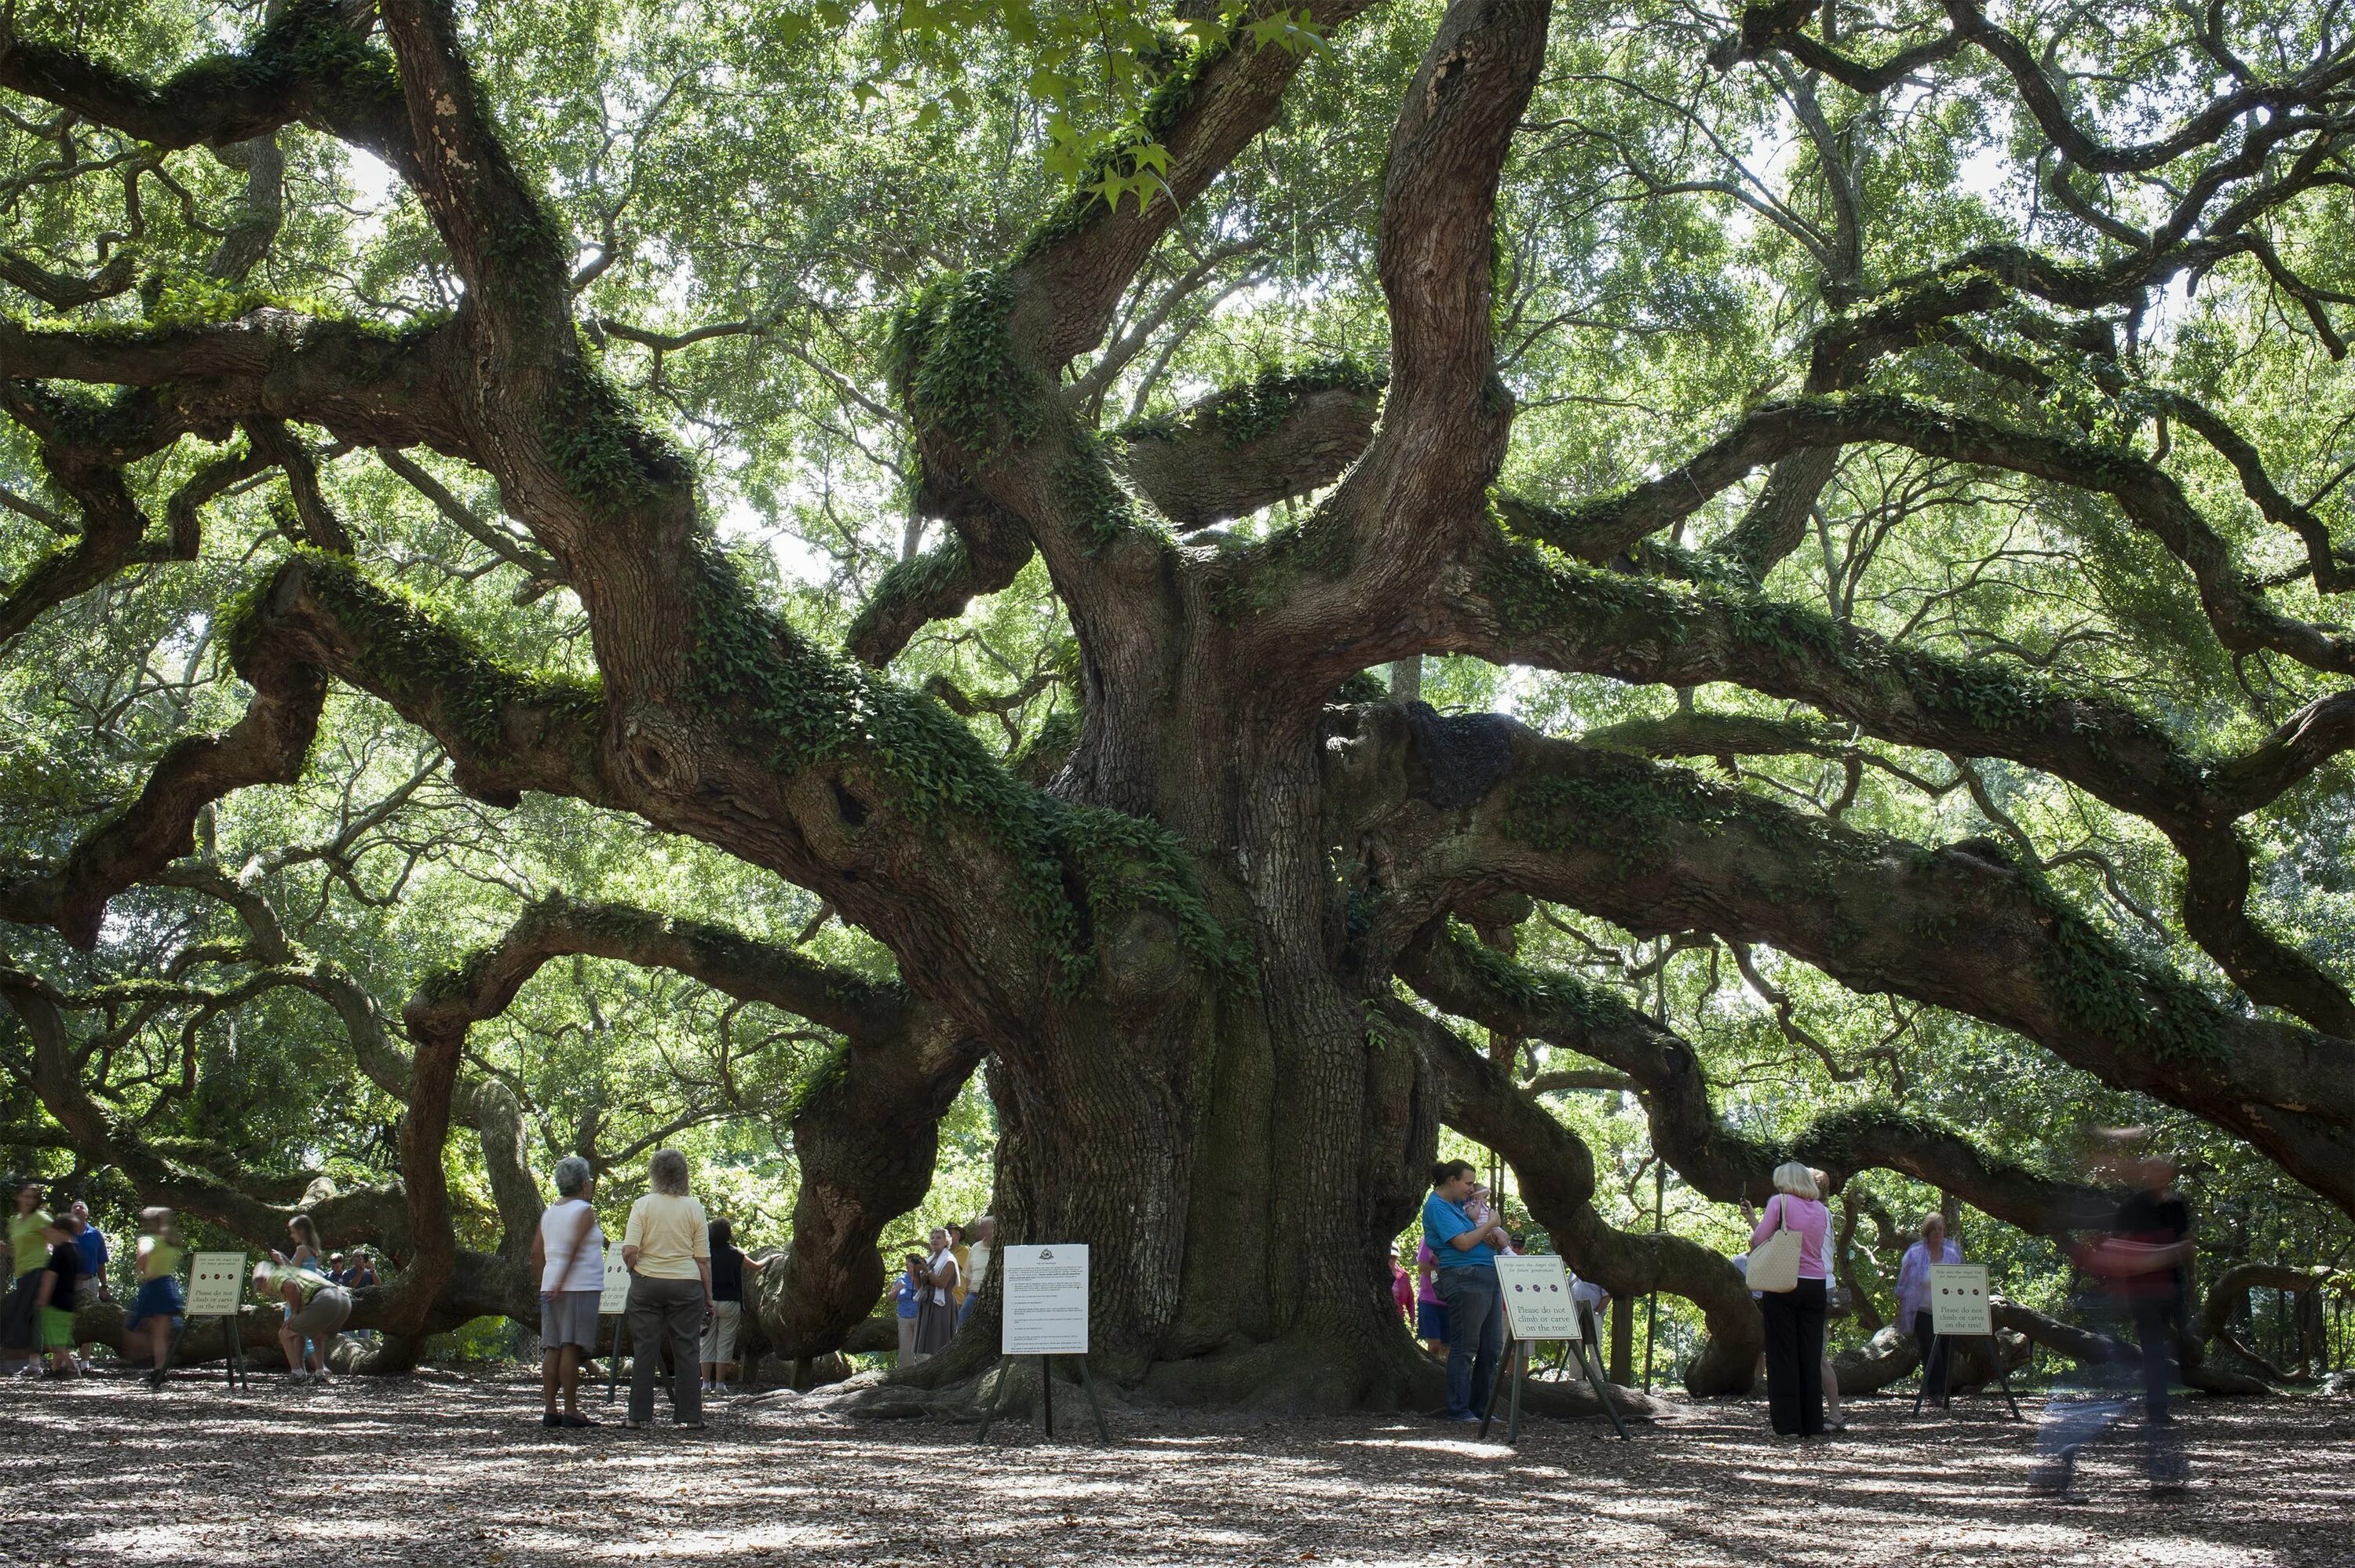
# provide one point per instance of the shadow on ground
(459, 1474)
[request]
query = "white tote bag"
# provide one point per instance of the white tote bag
(1775, 1262)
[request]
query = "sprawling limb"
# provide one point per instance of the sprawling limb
(1206, 114)
(104, 1138)
(1363, 567)
(865, 1126)
(1235, 451)
(1655, 850)
(986, 547)
(267, 745)
(1452, 970)
(310, 62)
(1526, 608)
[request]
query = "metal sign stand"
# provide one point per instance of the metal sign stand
(614, 1362)
(1587, 1358)
(1045, 1395)
(238, 1378)
(1946, 1371)
(614, 1301)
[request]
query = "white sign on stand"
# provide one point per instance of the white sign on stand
(1046, 1310)
(1538, 1302)
(613, 1299)
(1959, 1300)
(216, 1284)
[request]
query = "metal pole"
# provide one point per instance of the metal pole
(1047, 1393)
(1651, 1313)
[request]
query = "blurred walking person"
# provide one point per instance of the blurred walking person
(29, 1255)
(666, 1247)
(1794, 1318)
(160, 1304)
(2133, 1275)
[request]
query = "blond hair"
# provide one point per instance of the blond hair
(1796, 1179)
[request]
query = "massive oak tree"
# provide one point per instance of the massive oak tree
(1216, 930)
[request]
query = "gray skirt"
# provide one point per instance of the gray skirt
(569, 1317)
(936, 1325)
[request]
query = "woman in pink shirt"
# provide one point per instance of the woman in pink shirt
(1429, 1312)
(1402, 1290)
(1794, 1319)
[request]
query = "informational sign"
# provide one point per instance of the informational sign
(1959, 1299)
(216, 1284)
(1538, 1302)
(615, 1299)
(1046, 1301)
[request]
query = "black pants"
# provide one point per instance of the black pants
(2154, 1331)
(1933, 1359)
(1794, 1358)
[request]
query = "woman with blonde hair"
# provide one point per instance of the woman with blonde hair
(1794, 1318)
(666, 1247)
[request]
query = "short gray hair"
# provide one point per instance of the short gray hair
(669, 1173)
(573, 1176)
(1796, 1179)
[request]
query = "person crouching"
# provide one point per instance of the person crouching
(316, 1308)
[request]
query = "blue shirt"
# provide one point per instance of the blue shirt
(93, 1243)
(1442, 1222)
(907, 1296)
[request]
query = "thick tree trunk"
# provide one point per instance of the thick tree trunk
(1237, 1154)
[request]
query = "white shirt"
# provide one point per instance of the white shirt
(558, 1225)
(977, 1258)
(944, 1261)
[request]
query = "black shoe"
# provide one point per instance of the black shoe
(552, 1419)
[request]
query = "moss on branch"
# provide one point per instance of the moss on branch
(399, 651)
(817, 710)
(953, 359)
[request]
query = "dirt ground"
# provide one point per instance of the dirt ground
(457, 1474)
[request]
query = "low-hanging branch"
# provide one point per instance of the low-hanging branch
(1454, 971)
(1561, 615)
(1654, 849)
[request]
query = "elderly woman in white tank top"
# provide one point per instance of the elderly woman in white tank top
(569, 1255)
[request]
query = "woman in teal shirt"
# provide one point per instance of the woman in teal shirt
(1466, 1249)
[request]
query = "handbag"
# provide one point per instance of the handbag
(1775, 1262)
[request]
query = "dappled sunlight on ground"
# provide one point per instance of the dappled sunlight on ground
(461, 1474)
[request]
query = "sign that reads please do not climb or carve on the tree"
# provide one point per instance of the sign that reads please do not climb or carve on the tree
(1538, 1303)
(1959, 1300)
